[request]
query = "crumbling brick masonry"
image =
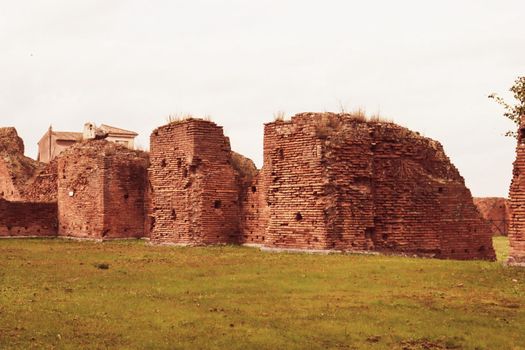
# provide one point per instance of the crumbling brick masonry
(24, 219)
(495, 211)
(195, 194)
(101, 191)
(336, 182)
(517, 203)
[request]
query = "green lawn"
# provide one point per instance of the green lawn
(54, 294)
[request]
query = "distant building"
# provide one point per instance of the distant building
(55, 142)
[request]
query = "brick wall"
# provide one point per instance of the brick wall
(23, 219)
(101, 189)
(333, 182)
(495, 211)
(517, 203)
(195, 194)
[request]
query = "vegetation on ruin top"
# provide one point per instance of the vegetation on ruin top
(184, 117)
(70, 295)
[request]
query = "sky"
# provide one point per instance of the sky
(427, 65)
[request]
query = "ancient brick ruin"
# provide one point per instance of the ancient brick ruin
(517, 203)
(336, 182)
(495, 211)
(329, 182)
(195, 195)
(101, 191)
(25, 219)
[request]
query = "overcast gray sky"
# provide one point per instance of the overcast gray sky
(428, 65)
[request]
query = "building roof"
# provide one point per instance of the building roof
(67, 135)
(113, 130)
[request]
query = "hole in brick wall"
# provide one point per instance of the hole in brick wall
(173, 214)
(217, 204)
(522, 135)
(370, 232)
(184, 172)
(64, 177)
(298, 217)
(105, 232)
(254, 189)
(281, 154)
(385, 236)
(1, 193)
(466, 250)
(163, 163)
(453, 251)
(481, 249)
(440, 189)
(193, 169)
(126, 196)
(179, 162)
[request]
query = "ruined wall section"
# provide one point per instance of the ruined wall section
(348, 157)
(15, 169)
(334, 181)
(43, 186)
(292, 187)
(422, 205)
(496, 212)
(517, 203)
(81, 192)
(22, 219)
(125, 182)
(195, 194)
(101, 189)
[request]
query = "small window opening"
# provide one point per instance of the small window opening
(163, 163)
(370, 232)
(440, 189)
(254, 189)
(173, 214)
(281, 154)
(298, 217)
(217, 204)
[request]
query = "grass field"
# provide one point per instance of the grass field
(71, 295)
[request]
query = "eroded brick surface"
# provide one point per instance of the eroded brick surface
(333, 182)
(16, 170)
(495, 211)
(194, 189)
(23, 219)
(101, 189)
(517, 203)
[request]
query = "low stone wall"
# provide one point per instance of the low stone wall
(22, 219)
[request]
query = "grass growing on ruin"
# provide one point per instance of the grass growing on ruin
(70, 295)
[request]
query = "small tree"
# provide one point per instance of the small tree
(513, 112)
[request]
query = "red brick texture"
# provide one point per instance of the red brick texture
(22, 219)
(496, 212)
(194, 187)
(333, 182)
(517, 203)
(101, 191)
